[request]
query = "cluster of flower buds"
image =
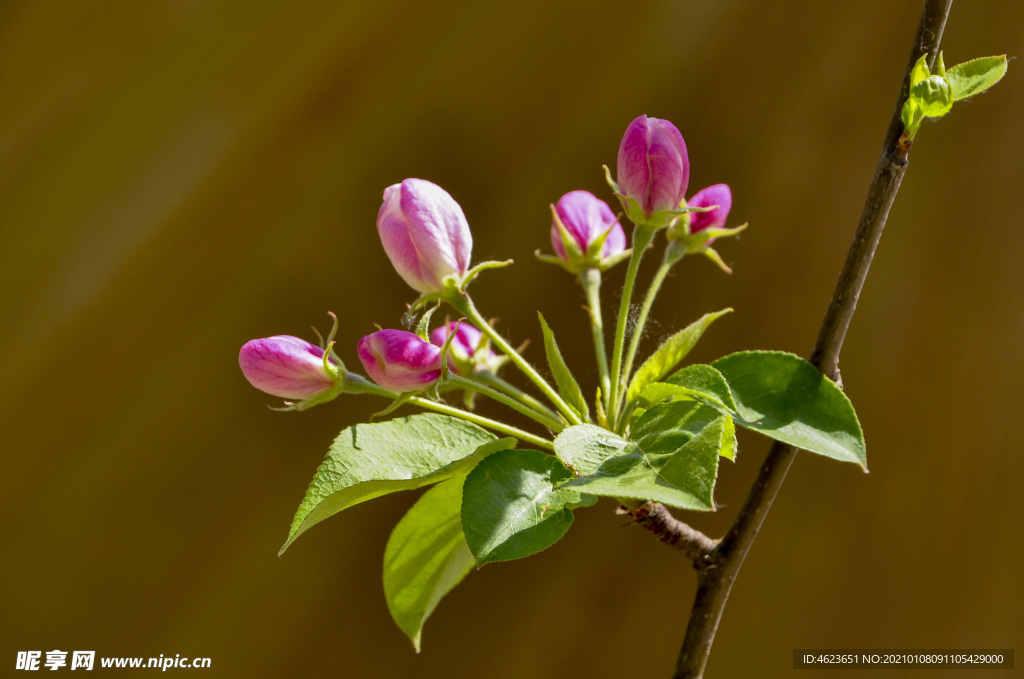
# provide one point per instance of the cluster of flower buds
(427, 238)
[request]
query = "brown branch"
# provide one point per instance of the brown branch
(715, 581)
(656, 518)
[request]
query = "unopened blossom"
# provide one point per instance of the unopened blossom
(425, 234)
(465, 354)
(586, 217)
(285, 366)
(653, 168)
(720, 195)
(399, 360)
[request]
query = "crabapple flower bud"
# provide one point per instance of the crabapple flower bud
(593, 228)
(286, 366)
(653, 170)
(465, 353)
(720, 195)
(425, 234)
(399, 360)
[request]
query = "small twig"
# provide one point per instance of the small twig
(656, 518)
(715, 581)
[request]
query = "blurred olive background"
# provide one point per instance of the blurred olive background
(179, 177)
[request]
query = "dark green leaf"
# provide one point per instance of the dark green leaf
(975, 76)
(786, 398)
(370, 460)
(426, 556)
(669, 354)
(512, 508)
(673, 457)
(567, 385)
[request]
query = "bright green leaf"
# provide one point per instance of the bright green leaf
(567, 385)
(669, 354)
(674, 459)
(728, 449)
(975, 76)
(934, 96)
(786, 398)
(426, 556)
(512, 507)
(920, 70)
(370, 460)
(695, 382)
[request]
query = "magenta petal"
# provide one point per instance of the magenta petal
(284, 366)
(720, 195)
(399, 360)
(586, 217)
(424, 233)
(653, 166)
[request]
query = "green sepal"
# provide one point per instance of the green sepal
(401, 400)
(423, 326)
(554, 259)
(480, 268)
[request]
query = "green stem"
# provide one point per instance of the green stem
(463, 304)
(356, 384)
(590, 279)
(642, 237)
(492, 380)
(522, 408)
(675, 251)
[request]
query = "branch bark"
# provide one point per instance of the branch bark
(656, 518)
(718, 569)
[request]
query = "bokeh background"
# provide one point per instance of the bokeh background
(177, 177)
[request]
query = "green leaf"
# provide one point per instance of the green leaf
(370, 460)
(567, 385)
(584, 447)
(786, 398)
(975, 76)
(512, 506)
(695, 382)
(920, 72)
(673, 457)
(669, 354)
(933, 95)
(426, 556)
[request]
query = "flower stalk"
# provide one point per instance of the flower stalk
(590, 279)
(462, 303)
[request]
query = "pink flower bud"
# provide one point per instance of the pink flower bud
(285, 366)
(586, 217)
(653, 168)
(719, 195)
(464, 353)
(400, 360)
(424, 233)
